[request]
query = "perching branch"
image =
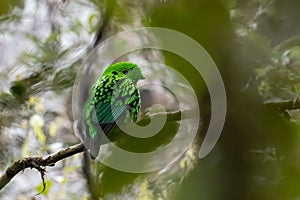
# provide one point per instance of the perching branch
(40, 163)
(285, 104)
(175, 115)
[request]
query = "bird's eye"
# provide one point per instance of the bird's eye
(114, 72)
(125, 71)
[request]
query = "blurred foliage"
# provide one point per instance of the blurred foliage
(38, 68)
(254, 43)
(8, 5)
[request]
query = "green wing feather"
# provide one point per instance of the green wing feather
(125, 97)
(105, 113)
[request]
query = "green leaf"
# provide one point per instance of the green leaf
(93, 22)
(8, 5)
(18, 89)
(40, 188)
(53, 37)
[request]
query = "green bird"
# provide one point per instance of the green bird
(114, 99)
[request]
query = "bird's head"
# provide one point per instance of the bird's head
(126, 70)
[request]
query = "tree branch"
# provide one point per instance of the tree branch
(175, 115)
(285, 104)
(38, 163)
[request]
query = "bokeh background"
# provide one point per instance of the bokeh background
(256, 46)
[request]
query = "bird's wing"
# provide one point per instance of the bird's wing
(108, 112)
(105, 114)
(127, 95)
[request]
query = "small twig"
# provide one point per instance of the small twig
(175, 115)
(38, 163)
(285, 104)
